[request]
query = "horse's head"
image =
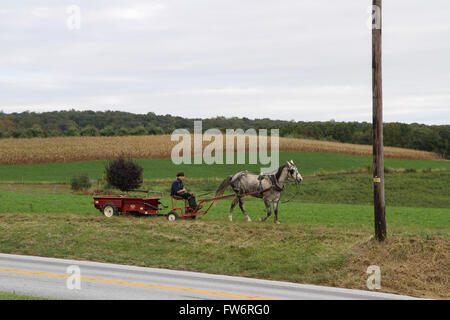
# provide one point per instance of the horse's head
(293, 171)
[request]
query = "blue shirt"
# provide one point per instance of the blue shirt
(177, 185)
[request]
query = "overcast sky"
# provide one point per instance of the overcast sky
(291, 59)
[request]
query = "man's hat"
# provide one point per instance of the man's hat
(180, 174)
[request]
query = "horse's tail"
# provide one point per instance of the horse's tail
(225, 183)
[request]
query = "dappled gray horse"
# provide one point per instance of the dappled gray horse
(267, 186)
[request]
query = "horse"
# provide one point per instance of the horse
(267, 186)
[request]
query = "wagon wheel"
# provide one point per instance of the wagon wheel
(172, 216)
(109, 210)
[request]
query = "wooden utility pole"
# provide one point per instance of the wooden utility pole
(378, 155)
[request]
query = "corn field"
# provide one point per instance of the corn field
(71, 149)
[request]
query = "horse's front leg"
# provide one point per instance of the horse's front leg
(269, 211)
(275, 210)
(233, 204)
(241, 205)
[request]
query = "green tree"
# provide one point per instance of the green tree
(108, 131)
(72, 132)
(90, 131)
(123, 132)
(138, 131)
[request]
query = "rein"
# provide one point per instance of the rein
(296, 193)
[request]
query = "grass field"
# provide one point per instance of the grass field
(70, 149)
(350, 189)
(344, 215)
(324, 237)
(413, 260)
(14, 296)
(307, 162)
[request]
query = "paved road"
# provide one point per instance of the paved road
(49, 278)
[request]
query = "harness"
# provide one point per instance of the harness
(273, 181)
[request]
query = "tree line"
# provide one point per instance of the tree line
(117, 123)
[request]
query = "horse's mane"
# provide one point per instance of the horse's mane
(280, 169)
(277, 173)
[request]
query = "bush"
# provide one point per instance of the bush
(124, 175)
(72, 132)
(90, 131)
(389, 170)
(123, 132)
(107, 131)
(156, 130)
(139, 131)
(80, 182)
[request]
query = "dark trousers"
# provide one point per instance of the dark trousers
(190, 198)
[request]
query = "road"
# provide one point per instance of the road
(55, 278)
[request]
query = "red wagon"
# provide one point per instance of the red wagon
(202, 208)
(110, 206)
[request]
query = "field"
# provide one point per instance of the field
(70, 149)
(309, 163)
(320, 248)
(325, 236)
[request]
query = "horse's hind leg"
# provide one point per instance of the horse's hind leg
(241, 205)
(269, 211)
(233, 204)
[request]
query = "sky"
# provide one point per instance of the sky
(302, 60)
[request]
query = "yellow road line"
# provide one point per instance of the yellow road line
(139, 284)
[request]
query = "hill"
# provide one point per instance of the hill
(115, 123)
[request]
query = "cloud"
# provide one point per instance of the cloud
(303, 60)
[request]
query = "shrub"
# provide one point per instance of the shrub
(90, 131)
(80, 182)
(108, 131)
(389, 170)
(72, 132)
(156, 130)
(322, 173)
(125, 175)
(123, 132)
(139, 131)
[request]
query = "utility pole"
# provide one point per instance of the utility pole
(378, 155)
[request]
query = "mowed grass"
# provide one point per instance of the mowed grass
(15, 296)
(324, 237)
(307, 162)
(331, 215)
(317, 243)
(420, 190)
(411, 262)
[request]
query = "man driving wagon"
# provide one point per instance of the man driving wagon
(179, 191)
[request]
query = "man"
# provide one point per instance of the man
(179, 191)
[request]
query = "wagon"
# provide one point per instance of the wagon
(150, 206)
(110, 206)
(203, 206)
(180, 208)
